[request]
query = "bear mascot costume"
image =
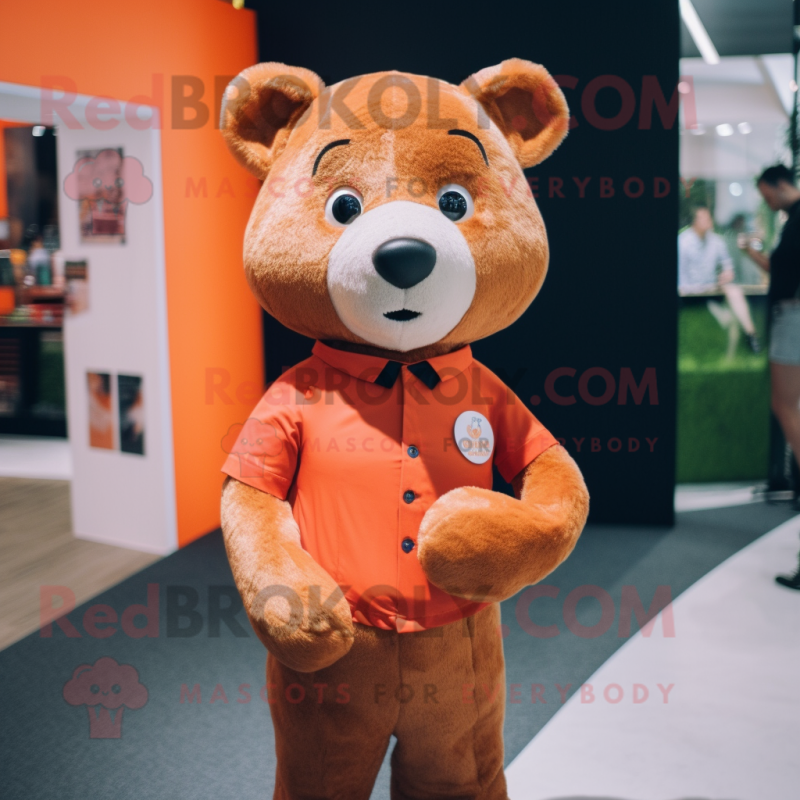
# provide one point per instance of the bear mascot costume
(394, 226)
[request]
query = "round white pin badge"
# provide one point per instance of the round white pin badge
(474, 437)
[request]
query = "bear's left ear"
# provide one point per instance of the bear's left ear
(260, 108)
(526, 104)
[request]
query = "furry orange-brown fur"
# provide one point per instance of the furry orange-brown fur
(483, 545)
(263, 544)
(472, 542)
(441, 695)
(287, 244)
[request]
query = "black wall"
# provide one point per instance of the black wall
(31, 180)
(609, 301)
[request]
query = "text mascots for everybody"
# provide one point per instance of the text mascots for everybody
(395, 227)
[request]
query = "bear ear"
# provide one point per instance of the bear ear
(526, 104)
(260, 108)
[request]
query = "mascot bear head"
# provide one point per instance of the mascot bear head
(394, 216)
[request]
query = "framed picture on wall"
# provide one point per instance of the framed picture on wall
(101, 195)
(101, 415)
(131, 414)
(76, 275)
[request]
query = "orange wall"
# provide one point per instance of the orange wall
(112, 48)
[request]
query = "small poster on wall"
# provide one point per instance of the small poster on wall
(101, 195)
(131, 414)
(104, 182)
(101, 417)
(76, 275)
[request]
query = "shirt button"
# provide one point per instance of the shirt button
(413, 451)
(407, 545)
(408, 496)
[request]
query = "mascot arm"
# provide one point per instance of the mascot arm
(483, 545)
(295, 607)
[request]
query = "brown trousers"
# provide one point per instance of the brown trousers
(441, 693)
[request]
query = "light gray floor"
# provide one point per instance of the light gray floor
(728, 727)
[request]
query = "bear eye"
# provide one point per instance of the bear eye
(94, 688)
(116, 688)
(455, 202)
(343, 207)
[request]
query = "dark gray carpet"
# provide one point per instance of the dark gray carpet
(170, 749)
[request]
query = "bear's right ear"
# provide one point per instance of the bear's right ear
(260, 108)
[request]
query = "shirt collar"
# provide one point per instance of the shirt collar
(384, 371)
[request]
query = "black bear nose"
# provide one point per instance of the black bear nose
(404, 262)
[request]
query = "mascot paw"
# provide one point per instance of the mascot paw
(469, 545)
(306, 629)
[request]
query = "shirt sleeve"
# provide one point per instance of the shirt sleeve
(263, 451)
(519, 436)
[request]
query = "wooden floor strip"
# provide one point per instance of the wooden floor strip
(37, 549)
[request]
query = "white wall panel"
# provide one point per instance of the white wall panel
(118, 498)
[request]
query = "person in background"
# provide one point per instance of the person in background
(778, 189)
(39, 263)
(704, 264)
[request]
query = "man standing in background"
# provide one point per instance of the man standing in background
(776, 185)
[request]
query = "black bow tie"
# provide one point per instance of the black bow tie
(422, 370)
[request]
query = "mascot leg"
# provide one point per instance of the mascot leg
(450, 735)
(440, 692)
(331, 743)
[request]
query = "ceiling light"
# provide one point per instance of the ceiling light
(698, 129)
(745, 127)
(699, 33)
(793, 85)
(735, 189)
(684, 88)
(725, 129)
(38, 130)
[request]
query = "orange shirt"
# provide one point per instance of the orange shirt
(362, 447)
